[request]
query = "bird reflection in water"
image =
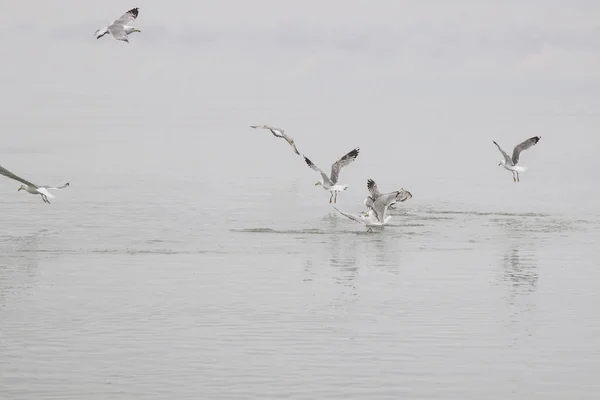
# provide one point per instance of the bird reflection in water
(520, 273)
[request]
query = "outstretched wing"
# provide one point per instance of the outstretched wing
(7, 173)
(55, 188)
(290, 141)
(372, 186)
(341, 163)
(127, 17)
(277, 132)
(382, 203)
(313, 166)
(353, 217)
(506, 157)
(524, 146)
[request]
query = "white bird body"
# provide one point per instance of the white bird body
(331, 188)
(39, 190)
(515, 168)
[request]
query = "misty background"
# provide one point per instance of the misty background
(193, 257)
(423, 89)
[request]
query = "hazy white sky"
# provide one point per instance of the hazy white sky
(434, 78)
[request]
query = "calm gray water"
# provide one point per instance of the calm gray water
(252, 287)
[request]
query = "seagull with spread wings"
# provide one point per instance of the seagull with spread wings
(29, 187)
(330, 183)
(510, 163)
(377, 214)
(277, 132)
(375, 194)
(119, 28)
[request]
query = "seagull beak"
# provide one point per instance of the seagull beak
(137, 30)
(316, 183)
(19, 189)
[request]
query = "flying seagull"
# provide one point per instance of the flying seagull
(330, 182)
(29, 187)
(375, 193)
(119, 29)
(511, 163)
(277, 132)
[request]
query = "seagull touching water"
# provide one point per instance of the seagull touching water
(29, 187)
(375, 194)
(377, 215)
(330, 182)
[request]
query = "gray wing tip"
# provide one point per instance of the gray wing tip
(134, 12)
(370, 183)
(307, 161)
(536, 139)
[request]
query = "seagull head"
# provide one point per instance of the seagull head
(320, 182)
(501, 163)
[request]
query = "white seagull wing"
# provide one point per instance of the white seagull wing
(353, 217)
(313, 166)
(127, 17)
(506, 157)
(57, 187)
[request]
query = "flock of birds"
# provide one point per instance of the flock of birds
(377, 203)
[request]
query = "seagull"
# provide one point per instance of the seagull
(376, 216)
(511, 163)
(119, 29)
(330, 182)
(375, 193)
(368, 219)
(29, 187)
(277, 132)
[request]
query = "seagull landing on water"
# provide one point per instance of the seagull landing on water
(29, 187)
(511, 163)
(119, 29)
(331, 182)
(375, 194)
(377, 215)
(368, 219)
(277, 132)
